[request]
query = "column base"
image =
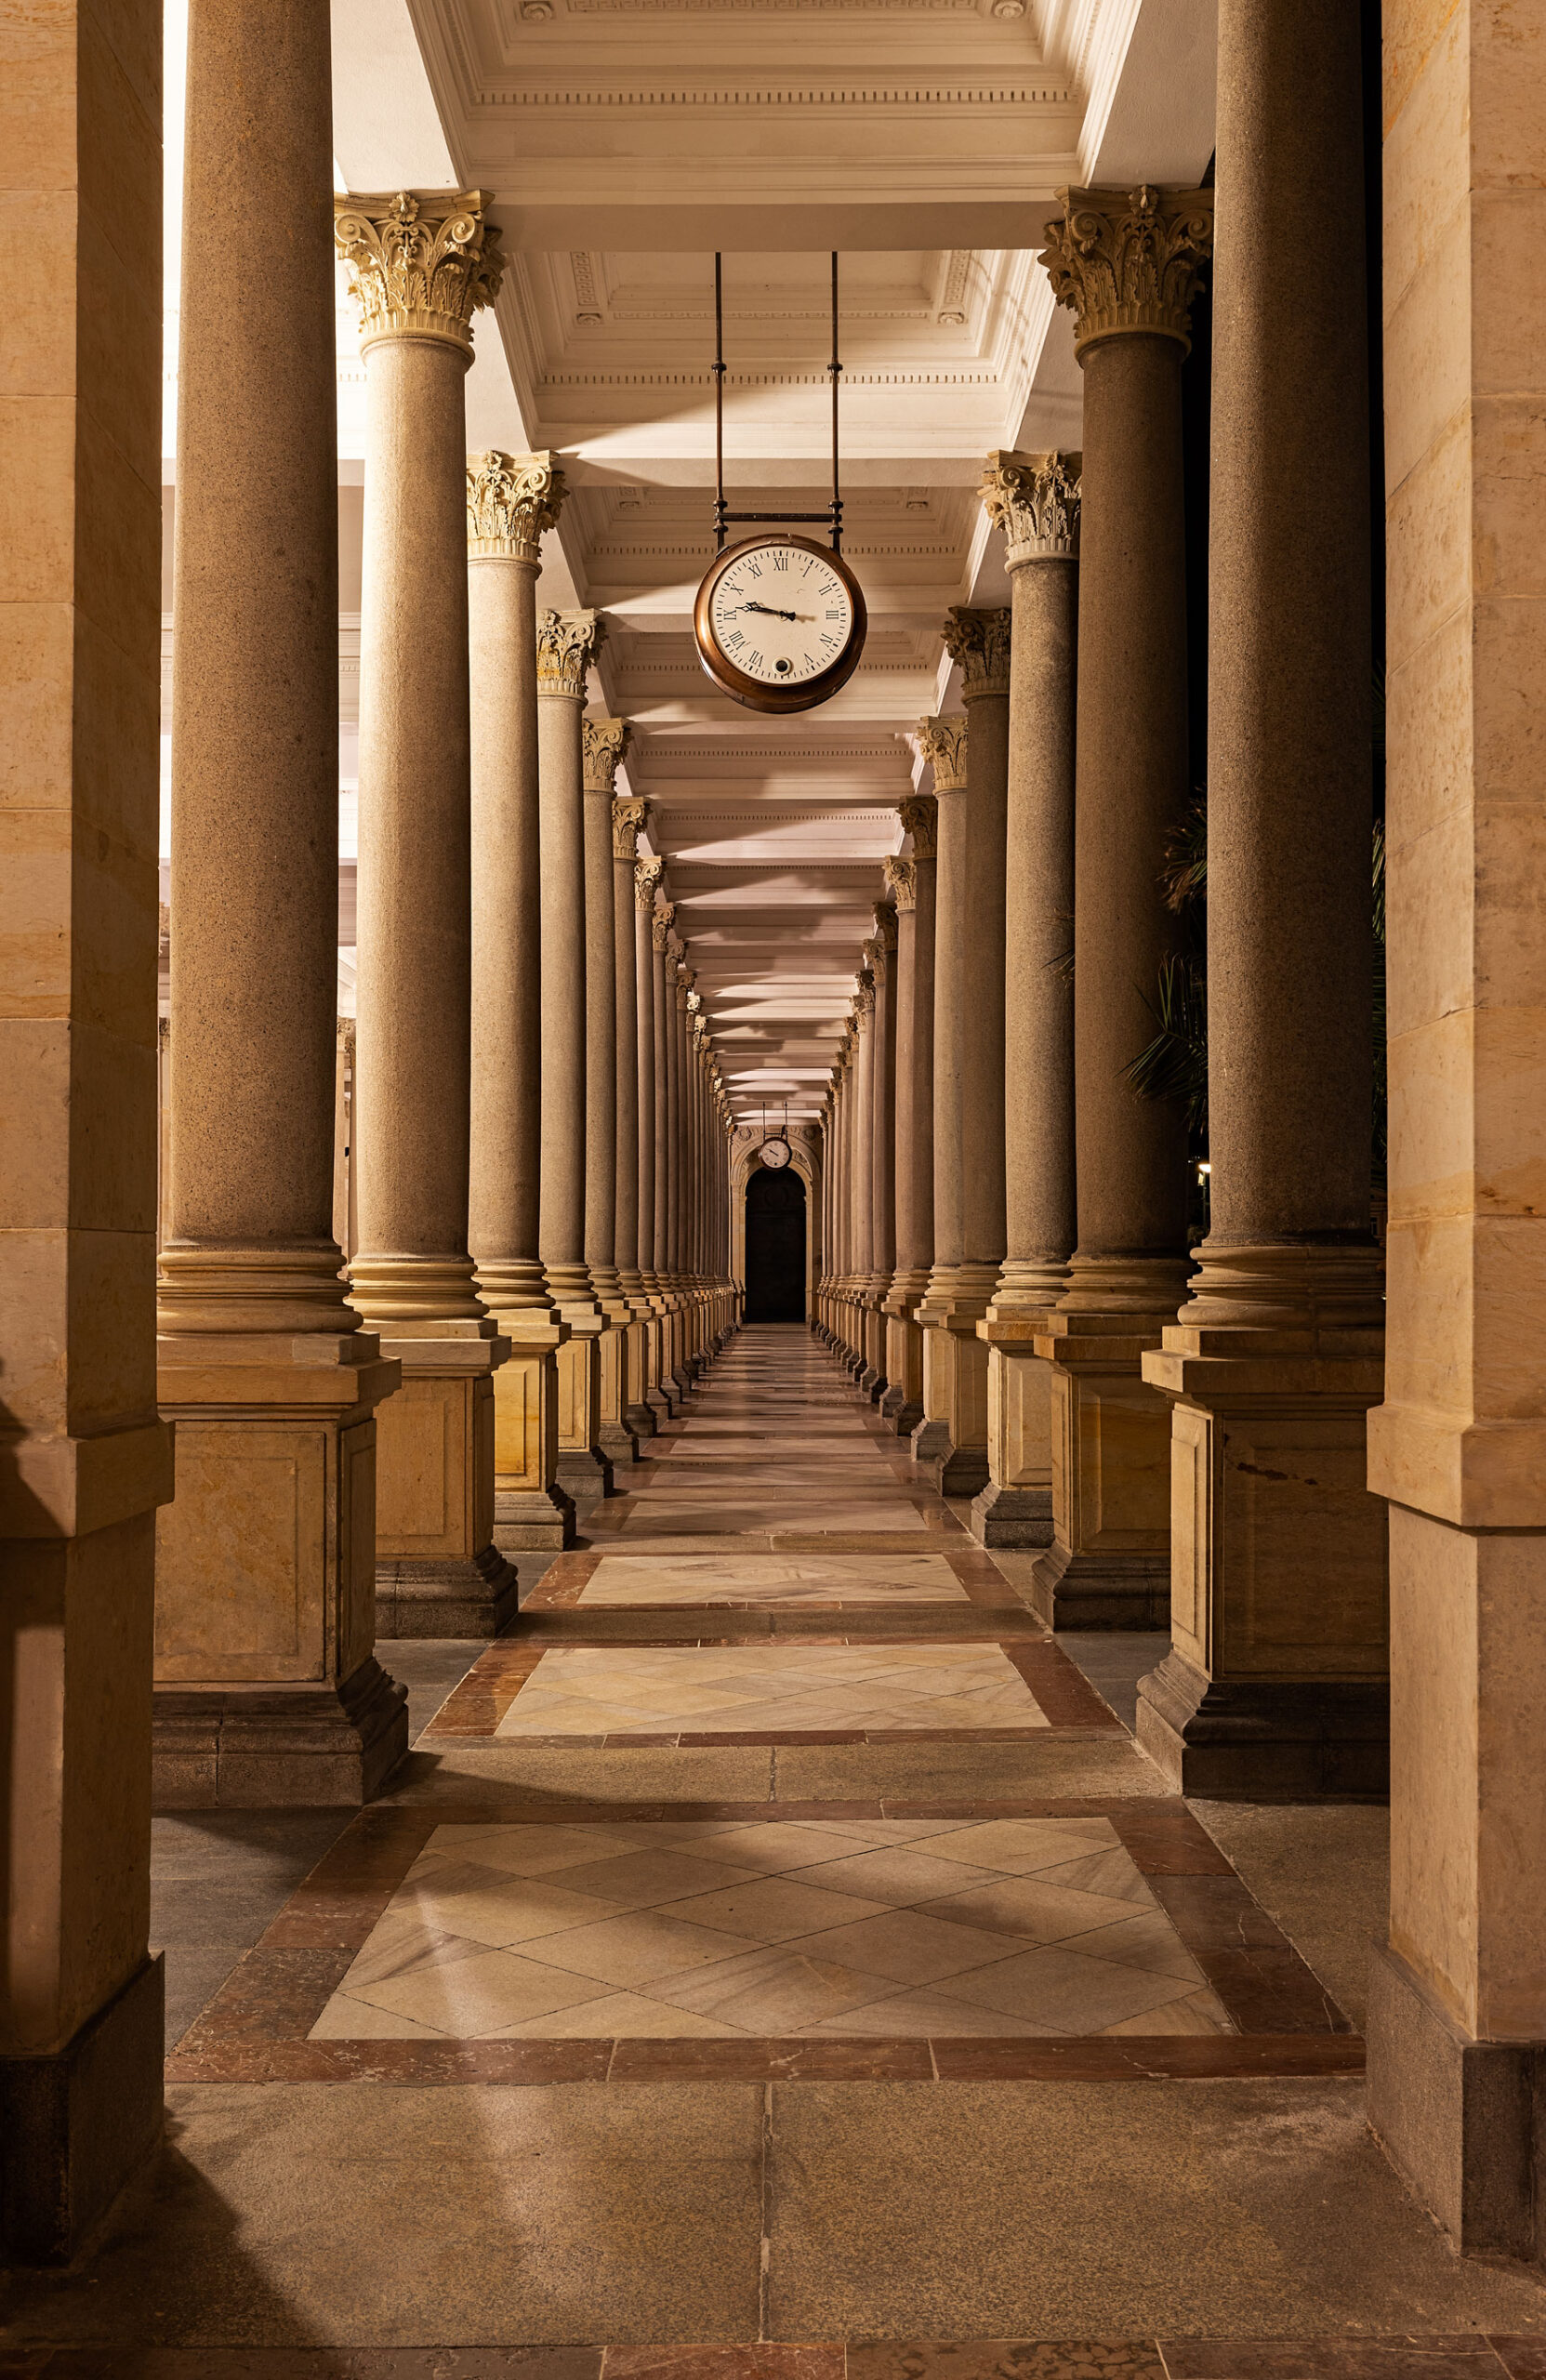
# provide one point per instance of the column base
(460, 1595)
(278, 1747)
(79, 2121)
(1461, 2120)
(872, 1383)
(1070, 1589)
(1265, 1740)
(617, 1442)
(902, 1411)
(540, 1522)
(641, 1420)
(585, 1475)
(1012, 1515)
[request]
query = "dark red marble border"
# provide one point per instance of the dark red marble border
(254, 2027)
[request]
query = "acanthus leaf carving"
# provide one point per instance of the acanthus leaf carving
(420, 263)
(978, 642)
(1128, 260)
(513, 501)
(647, 874)
(942, 741)
(1035, 500)
(604, 741)
(901, 880)
(567, 642)
(628, 815)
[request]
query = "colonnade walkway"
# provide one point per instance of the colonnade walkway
(774, 1945)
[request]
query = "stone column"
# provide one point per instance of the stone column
(883, 964)
(87, 1459)
(662, 979)
(511, 501)
(628, 815)
(1127, 266)
(912, 885)
(266, 1683)
(604, 741)
(951, 1442)
(646, 882)
(1275, 1682)
(1034, 499)
(682, 1178)
(862, 1167)
(1457, 2019)
(420, 264)
(566, 645)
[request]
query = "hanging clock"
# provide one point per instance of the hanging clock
(780, 620)
(780, 623)
(775, 1152)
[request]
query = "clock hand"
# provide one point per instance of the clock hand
(772, 613)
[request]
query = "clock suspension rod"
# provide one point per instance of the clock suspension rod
(833, 513)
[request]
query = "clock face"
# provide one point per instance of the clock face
(776, 1153)
(780, 623)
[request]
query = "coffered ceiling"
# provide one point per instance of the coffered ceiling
(621, 142)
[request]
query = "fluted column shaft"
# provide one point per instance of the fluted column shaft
(1282, 1340)
(1126, 263)
(1034, 499)
(511, 501)
(250, 1271)
(412, 1275)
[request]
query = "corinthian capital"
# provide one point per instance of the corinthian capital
(920, 814)
(901, 880)
(420, 263)
(980, 642)
(1128, 260)
(605, 741)
(864, 999)
(513, 501)
(885, 924)
(1035, 500)
(647, 874)
(942, 741)
(567, 642)
(628, 816)
(660, 929)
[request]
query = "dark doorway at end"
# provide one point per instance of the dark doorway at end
(775, 1245)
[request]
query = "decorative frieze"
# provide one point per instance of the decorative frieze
(420, 263)
(629, 813)
(1128, 260)
(902, 880)
(941, 741)
(513, 501)
(978, 643)
(1035, 500)
(647, 874)
(567, 642)
(604, 742)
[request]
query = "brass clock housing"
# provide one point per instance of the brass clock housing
(751, 692)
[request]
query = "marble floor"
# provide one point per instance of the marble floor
(775, 1961)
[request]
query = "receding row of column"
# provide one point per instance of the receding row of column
(1177, 1435)
(539, 1128)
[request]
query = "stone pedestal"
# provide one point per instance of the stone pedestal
(950, 1444)
(1015, 1508)
(1109, 1562)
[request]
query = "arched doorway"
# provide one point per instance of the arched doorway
(775, 1245)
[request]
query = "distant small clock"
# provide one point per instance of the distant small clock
(780, 623)
(774, 1153)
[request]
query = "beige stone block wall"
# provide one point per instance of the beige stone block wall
(87, 1458)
